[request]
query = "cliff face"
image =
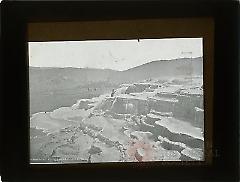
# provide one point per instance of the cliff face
(152, 120)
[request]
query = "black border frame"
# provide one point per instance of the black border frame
(14, 131)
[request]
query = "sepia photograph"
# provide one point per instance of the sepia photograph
(99, 101)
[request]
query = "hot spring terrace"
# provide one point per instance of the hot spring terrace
(146, 121)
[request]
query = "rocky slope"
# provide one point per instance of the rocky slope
(152, 120)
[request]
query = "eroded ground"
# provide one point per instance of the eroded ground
(153, 120)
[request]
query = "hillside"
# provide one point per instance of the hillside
(62, 78)
(159, 69)
(51, 88)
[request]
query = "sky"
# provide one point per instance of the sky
(111, 54)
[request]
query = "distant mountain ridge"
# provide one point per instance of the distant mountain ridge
(168, 60)
(69, 67)
(156, 69)
(69, 77)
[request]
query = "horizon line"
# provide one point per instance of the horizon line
(51, 67)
